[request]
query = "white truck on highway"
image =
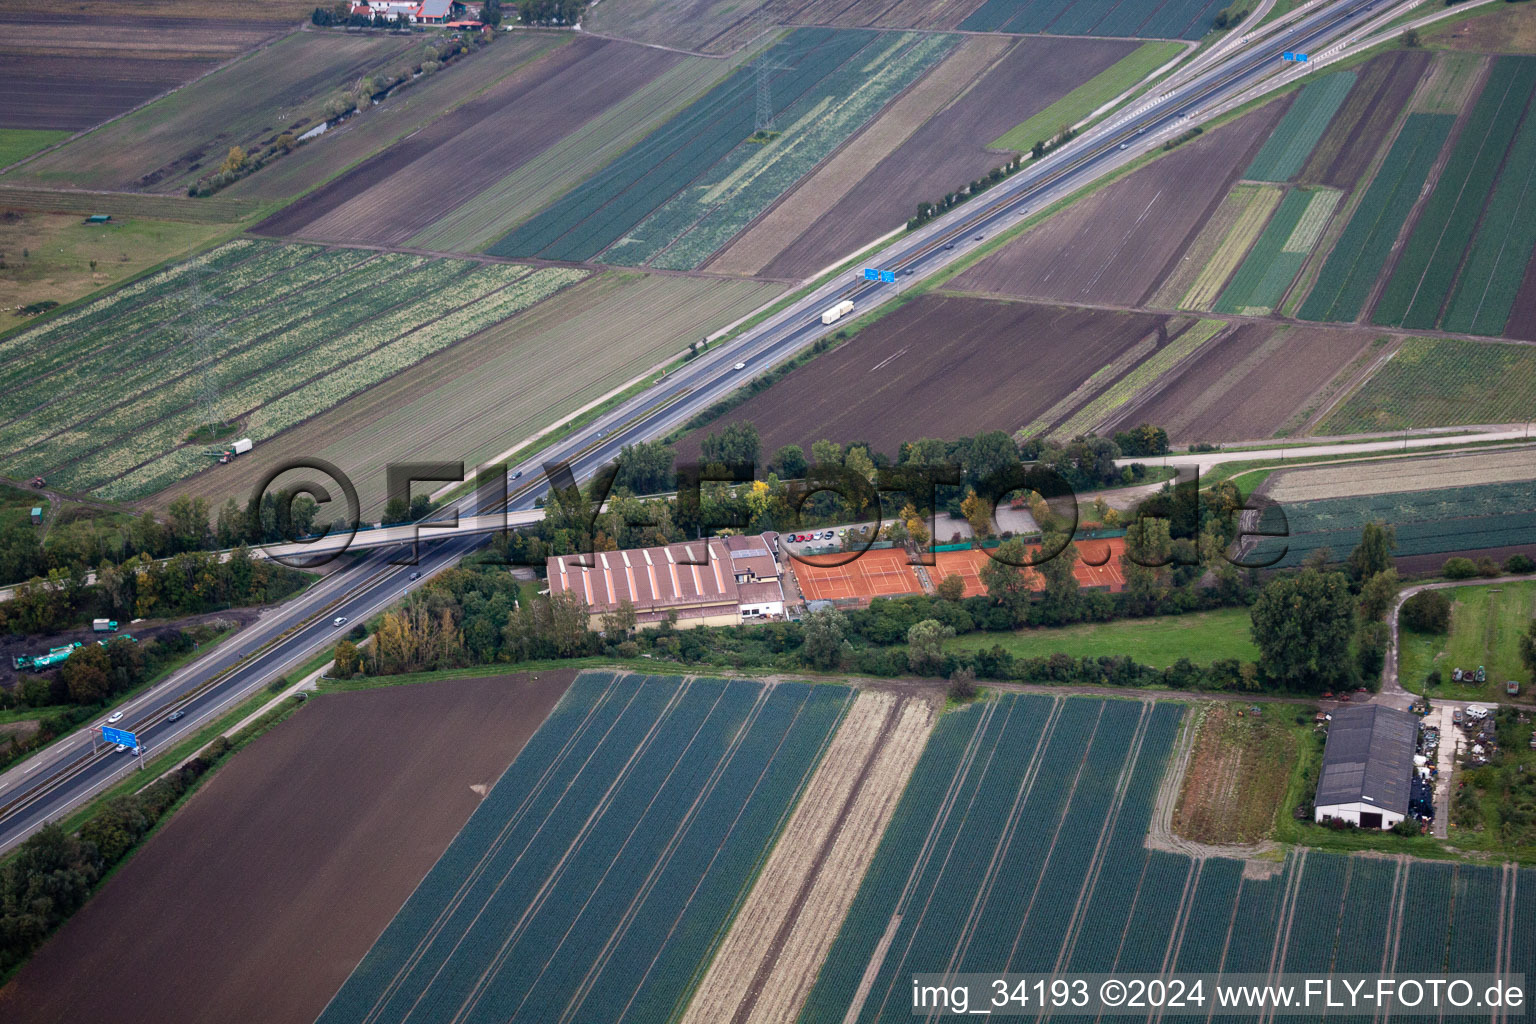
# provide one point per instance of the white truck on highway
(837, 312)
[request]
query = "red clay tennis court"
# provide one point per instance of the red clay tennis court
(883, 572)
(967, 565)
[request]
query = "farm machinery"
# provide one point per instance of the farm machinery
(227, 455)
(55, 656)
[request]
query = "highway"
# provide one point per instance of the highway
(65, 775)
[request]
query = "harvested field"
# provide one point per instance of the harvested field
(596, 878)
(1121, 401)
(1020, 845)
(1116, 245)
(1203, 249)
(1097, 567)
(721, 26)
(504, 385)
(1382, 89)
(882, 572)
(171, 143)
(1257, 203)
(403, 190)
(1001, 365)
(1156, 19)
(808, 205)
(765, 964)
(288, 862)
(73, 71)
(827, 902)
(1509, 29)
(1251, 382)
(689, 187)
(1364, 478)
(1442, 382)
(951, 149)
(402, 113)
(284, 351)
(1236, 779)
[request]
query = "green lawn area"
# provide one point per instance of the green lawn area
(1202, 637)
(1486, 623)
(1089, 96)
(16, 143)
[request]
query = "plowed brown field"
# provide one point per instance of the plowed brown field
(1116, 245)
(942, 366)
(259, 896)
(72, 71)
(403, 189)
(949, 150)
(1248, 384)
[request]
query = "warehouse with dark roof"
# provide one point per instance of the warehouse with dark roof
(1367, 767)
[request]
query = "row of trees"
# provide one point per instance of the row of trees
(143, 587)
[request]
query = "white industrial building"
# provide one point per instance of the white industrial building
(1367, 767)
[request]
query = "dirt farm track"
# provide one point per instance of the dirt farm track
(259, 896)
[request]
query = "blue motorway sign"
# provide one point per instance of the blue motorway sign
(1287, 55)
(122, 736)
(888, 276)
(871, 274)
(1301, 58)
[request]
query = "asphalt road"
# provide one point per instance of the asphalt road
(60, 778)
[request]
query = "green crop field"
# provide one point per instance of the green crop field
(1490, 282)
(1088, 97)
(1442, 382)
(1486, 624)
(16, 143)
(679, 194)
(271, 334)
(1126, 388)
(1261, 282)
(1426, 271)
(592, 882)
(1261, 202)
(1020, 845)
(1151, 19)
(1293, 139)
(1361, 252)
(1427, 522)
(1203, 637)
